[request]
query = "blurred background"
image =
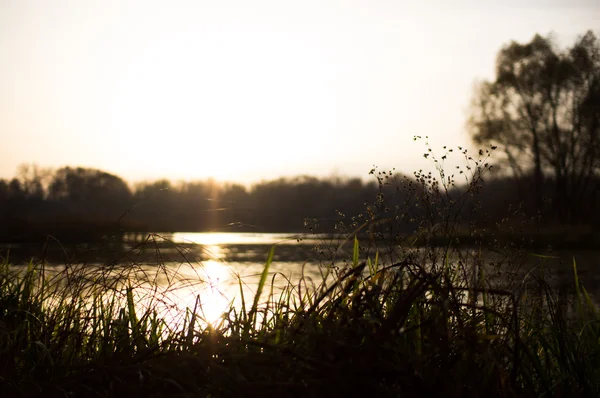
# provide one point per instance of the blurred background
(254, 116)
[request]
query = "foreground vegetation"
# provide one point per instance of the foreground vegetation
(400, 329)
(412, 318)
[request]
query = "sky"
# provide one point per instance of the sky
(243, 91)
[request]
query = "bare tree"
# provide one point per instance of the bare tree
(543, 111)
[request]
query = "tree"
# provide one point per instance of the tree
(543, 109)
(33, 180)
(90, 192)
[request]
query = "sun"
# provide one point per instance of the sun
(218, 108)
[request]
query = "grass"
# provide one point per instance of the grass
(387, 330)
(411, 319)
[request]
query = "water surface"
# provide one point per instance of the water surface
(213, 271)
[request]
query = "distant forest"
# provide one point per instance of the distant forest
(83, 203)
(40, 202)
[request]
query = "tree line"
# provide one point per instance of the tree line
(542, 110)
(82, 204)
(75, 198)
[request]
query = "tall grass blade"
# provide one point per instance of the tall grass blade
(260, 287)
(355, 252)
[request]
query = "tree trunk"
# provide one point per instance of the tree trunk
(538, 177)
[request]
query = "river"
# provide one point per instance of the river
(212, 271)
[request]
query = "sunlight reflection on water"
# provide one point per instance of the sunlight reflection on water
(230, 266)
(233, 238)
(209, 276)
(214, 284)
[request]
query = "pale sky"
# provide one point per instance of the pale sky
(245, 90)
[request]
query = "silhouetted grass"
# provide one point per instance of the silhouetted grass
(402, 329)
(407, 319)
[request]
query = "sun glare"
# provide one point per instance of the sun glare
(213, 300)
(215, 107)
(205, 290)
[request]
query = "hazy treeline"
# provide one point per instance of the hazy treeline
(277, 205)
(88, 202)
(40, 202)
